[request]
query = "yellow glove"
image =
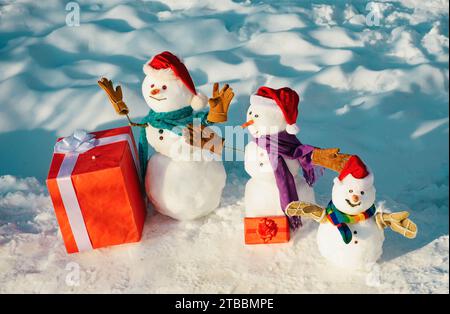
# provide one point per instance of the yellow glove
(116, 98)
(329, 158)
(204, 138)
(219, 103)
(398, 222)
(115, 95)
(305, 210)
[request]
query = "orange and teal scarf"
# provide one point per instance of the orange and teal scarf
(340, 220)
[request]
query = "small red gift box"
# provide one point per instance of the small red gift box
(265, 230)
(96, 191)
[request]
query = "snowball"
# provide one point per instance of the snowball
(344, 190)
(184, 190)
(268, 118)
(169, 92)
(362, 252)
(263, 199)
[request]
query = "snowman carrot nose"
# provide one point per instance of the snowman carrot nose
(246, 124)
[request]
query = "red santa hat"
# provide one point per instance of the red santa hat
(168, 66)
(285, 98)
(357, 169)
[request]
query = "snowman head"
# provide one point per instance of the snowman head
(353, 191)
(272, 111)
(168, 86)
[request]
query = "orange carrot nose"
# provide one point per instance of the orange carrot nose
(246, 124)
(154, 91)
(355, 198)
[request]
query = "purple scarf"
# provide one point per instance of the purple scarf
(284, 145)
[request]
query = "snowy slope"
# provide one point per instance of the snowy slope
(379, 91)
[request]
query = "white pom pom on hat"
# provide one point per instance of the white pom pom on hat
(199, 101)
(292, 129)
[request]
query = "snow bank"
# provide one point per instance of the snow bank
(24, 208)
(177, 257)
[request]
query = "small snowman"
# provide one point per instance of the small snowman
(182, 180)
(275, 156)
(351, 232)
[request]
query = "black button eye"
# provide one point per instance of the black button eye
(350, 191)
(362, 192)
(153, 85)
(164, 87)
(249, 113)
(256, 116)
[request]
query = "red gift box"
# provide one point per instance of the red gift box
(95, 188)
(265, 230)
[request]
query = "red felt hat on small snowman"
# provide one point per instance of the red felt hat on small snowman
(285, 98)
(167, 65)
(356, 168)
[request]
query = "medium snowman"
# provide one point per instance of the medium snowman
(351, 233)
(275, 156)
(182, 180)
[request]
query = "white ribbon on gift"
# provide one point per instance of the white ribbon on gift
(72, 146)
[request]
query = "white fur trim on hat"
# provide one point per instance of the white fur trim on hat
(360, 183)
(163, 74)
(260, 100)
(199, 101)
(292, 129)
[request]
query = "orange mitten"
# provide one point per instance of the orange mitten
(219, 103)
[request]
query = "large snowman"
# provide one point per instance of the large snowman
(275, 156)
(182, 181)
(351, 231)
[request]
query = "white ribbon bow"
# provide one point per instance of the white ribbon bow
(79, 142)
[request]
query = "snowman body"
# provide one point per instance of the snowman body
(362, 252)
(352, 196)
(184, 190)
(172, 145)
(181, 181)
(262, 197)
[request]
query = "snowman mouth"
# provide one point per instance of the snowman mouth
(351, 204)
(158, 99)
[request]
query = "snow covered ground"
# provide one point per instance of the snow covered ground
(373, 80)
